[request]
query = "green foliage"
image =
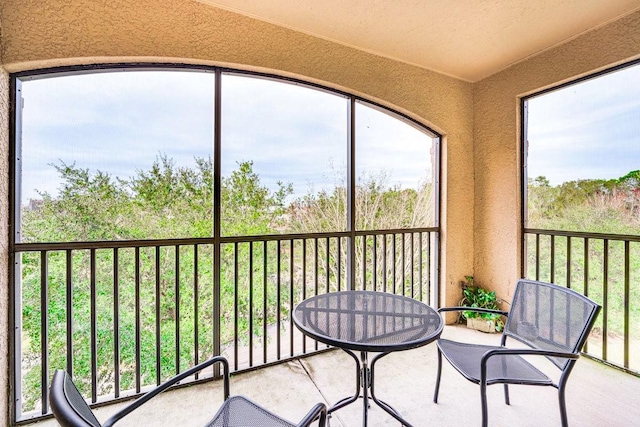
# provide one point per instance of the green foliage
(630, 181)
(90, 207)
(596, 206)
(248, 208)
(604, 206)
(378, 206)
(171, 286)
(171, 201)
(478, 297)
(163, 202)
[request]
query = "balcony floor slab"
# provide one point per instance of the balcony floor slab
(596, 394)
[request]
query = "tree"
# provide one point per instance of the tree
(163, 202)
(378, 207)
(249, 208)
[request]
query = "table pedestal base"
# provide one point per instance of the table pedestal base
(365, 389)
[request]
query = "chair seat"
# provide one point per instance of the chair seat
(238, 411)
(511, 369)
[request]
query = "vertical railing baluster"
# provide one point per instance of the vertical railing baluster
(420, 266)
(327, 278)
(605, 299)
(137, 318)
(412, 264)
(158, 305)
(537, 256)
(315, 279)
(196, 317)
(537, 302)
(291, 292)
(384, 263)
(404, 264)
(94, 329)
(429, 272)
(44, 330)
(315, 267)
(568, 262)
(339, 263)
(627, 302)
(264, 302)
(69, 301)
(552, 305)
(116, 322)
(395, 260)
(236, 301)
(586, 266)
(327, 266)
(304, 288)
(250, 303)
(364, 262)
(432, 273)
(177, 311)
(568, 323)
(278, 297)
(374, 260)
(552, 261)
(586, 277)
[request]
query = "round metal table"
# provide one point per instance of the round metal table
(368, 322)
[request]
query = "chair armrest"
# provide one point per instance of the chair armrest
(520, 351)
(528, 351)
(171, 382)
(476, 309)
(320, 410)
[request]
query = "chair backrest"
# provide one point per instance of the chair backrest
(550, 317)
(68, 406)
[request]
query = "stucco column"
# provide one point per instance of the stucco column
(497, 146)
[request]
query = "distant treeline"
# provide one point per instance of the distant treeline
(596, 205)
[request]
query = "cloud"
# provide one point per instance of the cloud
(586, 131)
(118, 122)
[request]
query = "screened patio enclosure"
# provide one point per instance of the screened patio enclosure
(217, 221)
(168, 260)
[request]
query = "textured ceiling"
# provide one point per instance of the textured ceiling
(467, 39)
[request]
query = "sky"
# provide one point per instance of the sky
(589, 130)
(120, 122)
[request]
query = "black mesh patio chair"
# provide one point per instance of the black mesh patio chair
(550, 321)
(71, 410)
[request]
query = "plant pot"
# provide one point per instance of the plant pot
(482, 325)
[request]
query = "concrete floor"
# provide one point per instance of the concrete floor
(596, 395)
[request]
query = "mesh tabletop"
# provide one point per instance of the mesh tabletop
(368, 321)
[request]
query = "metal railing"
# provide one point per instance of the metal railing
(604, 267)
(125, 315)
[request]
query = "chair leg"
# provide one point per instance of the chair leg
(483, 402)
(322, 422)
(506, 394)
(437, 390)
(563, 406)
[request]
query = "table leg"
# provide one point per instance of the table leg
(366, 384)
(384, 405)
(349, 400)
(365, 389)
